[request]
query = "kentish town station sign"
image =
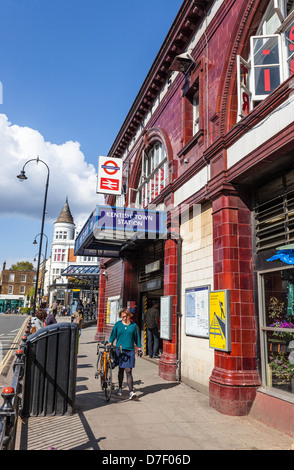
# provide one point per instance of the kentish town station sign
(109, 228)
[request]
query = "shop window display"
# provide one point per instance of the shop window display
(278, 329)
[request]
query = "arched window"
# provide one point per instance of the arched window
(154, 176)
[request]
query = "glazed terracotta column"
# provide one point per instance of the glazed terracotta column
(234, 379)
(168, 360)
(99, 336)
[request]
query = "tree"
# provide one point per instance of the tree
(23, 266)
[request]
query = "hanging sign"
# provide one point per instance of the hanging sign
(109, 179)
(244, 94)
(220, 320)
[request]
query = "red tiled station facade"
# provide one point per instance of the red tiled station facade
(234, 380)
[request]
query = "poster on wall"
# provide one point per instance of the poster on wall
(220, 320)
(197, 311)
(166, 307)
(113, 308)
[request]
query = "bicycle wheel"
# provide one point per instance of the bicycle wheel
(102, 374)
(99, 365)
(108, 381)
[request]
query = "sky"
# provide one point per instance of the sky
(70, 71)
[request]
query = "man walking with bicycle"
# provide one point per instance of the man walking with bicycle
(126, 334)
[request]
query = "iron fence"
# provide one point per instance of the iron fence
(10, 409)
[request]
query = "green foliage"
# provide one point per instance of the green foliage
(23, 266)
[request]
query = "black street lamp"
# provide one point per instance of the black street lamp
(45, 257)
(22, 176)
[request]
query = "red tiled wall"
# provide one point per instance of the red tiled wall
(234, 379)
(168, 360)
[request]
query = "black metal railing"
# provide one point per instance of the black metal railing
(10, 410)
(90, 313)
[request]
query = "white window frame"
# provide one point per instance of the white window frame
(285, 56)
(257, 97)
(59, 253)
(23, 278)
(196, 114)
(10, 289)
(22, 290)
(11, 277)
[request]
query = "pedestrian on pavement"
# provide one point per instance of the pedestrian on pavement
(152, 325)
(54, 307)
(40, 320)
(126, 334)
(50, 320)
(78, 319)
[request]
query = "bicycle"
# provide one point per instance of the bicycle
(105, 364)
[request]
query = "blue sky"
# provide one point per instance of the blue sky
(70, 71)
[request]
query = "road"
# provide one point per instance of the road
(9, 327)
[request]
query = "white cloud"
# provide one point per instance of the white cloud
(70, 176)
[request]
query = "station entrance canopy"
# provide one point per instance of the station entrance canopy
(82, 272)
(109, 229)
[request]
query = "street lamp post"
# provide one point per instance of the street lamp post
(45, 258)
(22, 177)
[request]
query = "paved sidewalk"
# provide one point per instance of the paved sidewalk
(166, 416)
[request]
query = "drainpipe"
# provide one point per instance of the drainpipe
(179, 314)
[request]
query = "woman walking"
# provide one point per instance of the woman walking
(126, 334)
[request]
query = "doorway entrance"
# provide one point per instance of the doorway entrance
(147, 300)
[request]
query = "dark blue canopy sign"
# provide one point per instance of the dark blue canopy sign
(109, 228)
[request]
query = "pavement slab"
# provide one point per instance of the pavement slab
(167, 416)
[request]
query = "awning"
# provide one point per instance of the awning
(82, 272)
(109, 229)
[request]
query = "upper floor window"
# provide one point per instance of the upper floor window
(11, 277)
(271, 57)
(59, 255)
(10, 289)
(23, 278)
(154, 175)
(60, 235)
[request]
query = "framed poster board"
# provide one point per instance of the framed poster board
(113, 308)
(197, 311)
(166, 311)
(220, 320)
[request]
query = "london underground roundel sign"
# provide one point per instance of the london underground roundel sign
(110, 167)
(109, 175)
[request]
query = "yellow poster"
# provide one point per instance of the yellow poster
(219, 320)
(108, 311)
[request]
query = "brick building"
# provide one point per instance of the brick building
(15, 286)
(208, 145)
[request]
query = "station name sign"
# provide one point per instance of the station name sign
(130, 220)
(119, 224)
